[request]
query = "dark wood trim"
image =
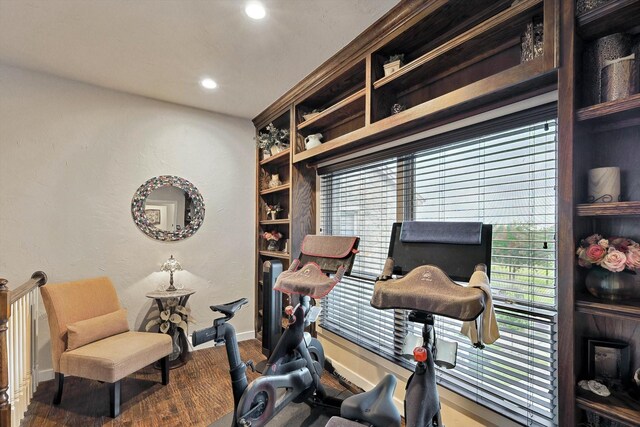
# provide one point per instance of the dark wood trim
(630, 104)
(395, 20)
(625, 311)
(281, 157)
(627, 410)
(618, 14)
(273, 254)
(512, 13)
(608, 209)
(326, 114)
(114, 399)
(283, 187)
(566, 248)
(39, 278)
(522, 76)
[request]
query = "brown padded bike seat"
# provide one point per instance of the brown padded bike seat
(309, 280)
(427, 288)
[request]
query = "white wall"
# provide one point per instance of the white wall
(72, 155)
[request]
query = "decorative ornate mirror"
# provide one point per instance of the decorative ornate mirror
(168, 208)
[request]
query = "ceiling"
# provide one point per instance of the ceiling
(162, 48)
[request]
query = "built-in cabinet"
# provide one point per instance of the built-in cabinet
(462, 58)
(594, 134)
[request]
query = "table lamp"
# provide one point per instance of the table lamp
(171, 265)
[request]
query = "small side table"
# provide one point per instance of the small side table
(182, 295)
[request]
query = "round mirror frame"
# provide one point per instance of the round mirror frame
(140, 217)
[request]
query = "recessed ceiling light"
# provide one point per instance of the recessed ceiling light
(208, 83)
(255, 10)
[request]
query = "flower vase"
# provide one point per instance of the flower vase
(177, 350)
(272, 245)
(272, 215)
(607, 285)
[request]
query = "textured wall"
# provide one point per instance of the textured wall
(71, 157)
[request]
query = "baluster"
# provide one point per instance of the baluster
(5, 313)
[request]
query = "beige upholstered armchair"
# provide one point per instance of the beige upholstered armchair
(90, 337)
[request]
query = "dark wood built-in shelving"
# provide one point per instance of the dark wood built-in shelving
(274, 221)
(515, 17)
(626, 310)
(283, 187)
(618, 110)
(613, 16)
(274, 254)
(336, 111)
(618, 407)
(280, 158)
(608, 209)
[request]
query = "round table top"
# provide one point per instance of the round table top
(174, 294)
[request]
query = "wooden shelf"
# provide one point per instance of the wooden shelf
(613, 111)
(347, 107)
(283, 187)
(274, 254)
(608, 209)
(454, 48)
(612, 17)
(589, 304)
(274, 221)
(509, 82)
(618, 407)
(281, 157)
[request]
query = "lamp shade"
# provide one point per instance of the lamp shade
(171, 265)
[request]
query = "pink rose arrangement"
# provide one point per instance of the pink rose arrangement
(272, 235)
(614, 254)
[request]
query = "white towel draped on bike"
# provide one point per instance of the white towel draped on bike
(488, 331)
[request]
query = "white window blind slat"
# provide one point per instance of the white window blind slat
(506, 178)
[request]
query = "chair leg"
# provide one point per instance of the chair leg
(164, 365)
(59, 379)
(114, 399)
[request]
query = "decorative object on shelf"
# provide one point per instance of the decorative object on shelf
(636, 377)
(171, 265)
(173, 319)
(531, 42)
(313, 141)
(613, 263)
(274, 140)
(611, 47)
(168, 194)
(619, 78)
(608, 363)
(604, 185)
(272, 237)
(310, 115)
(393, 64)
(584, 6)
(594, 387)
(285, 246)
(397, 108)
(272, 211)
(275, 180)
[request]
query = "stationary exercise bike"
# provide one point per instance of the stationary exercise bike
(294, 368)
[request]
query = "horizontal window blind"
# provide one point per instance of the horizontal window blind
(507, 178)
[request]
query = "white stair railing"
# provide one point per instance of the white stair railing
(18, 348)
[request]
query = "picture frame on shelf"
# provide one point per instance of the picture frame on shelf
(608, 361)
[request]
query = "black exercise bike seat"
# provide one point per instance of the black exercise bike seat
(374, 406)
(230, 308)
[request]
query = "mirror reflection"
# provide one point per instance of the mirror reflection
(168, 208)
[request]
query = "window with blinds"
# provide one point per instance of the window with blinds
(504, 175)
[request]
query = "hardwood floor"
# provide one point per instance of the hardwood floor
(198, 394)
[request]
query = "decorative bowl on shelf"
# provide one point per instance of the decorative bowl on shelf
(607, 285)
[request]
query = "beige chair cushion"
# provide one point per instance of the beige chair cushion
(94, 329)
(117, 356)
